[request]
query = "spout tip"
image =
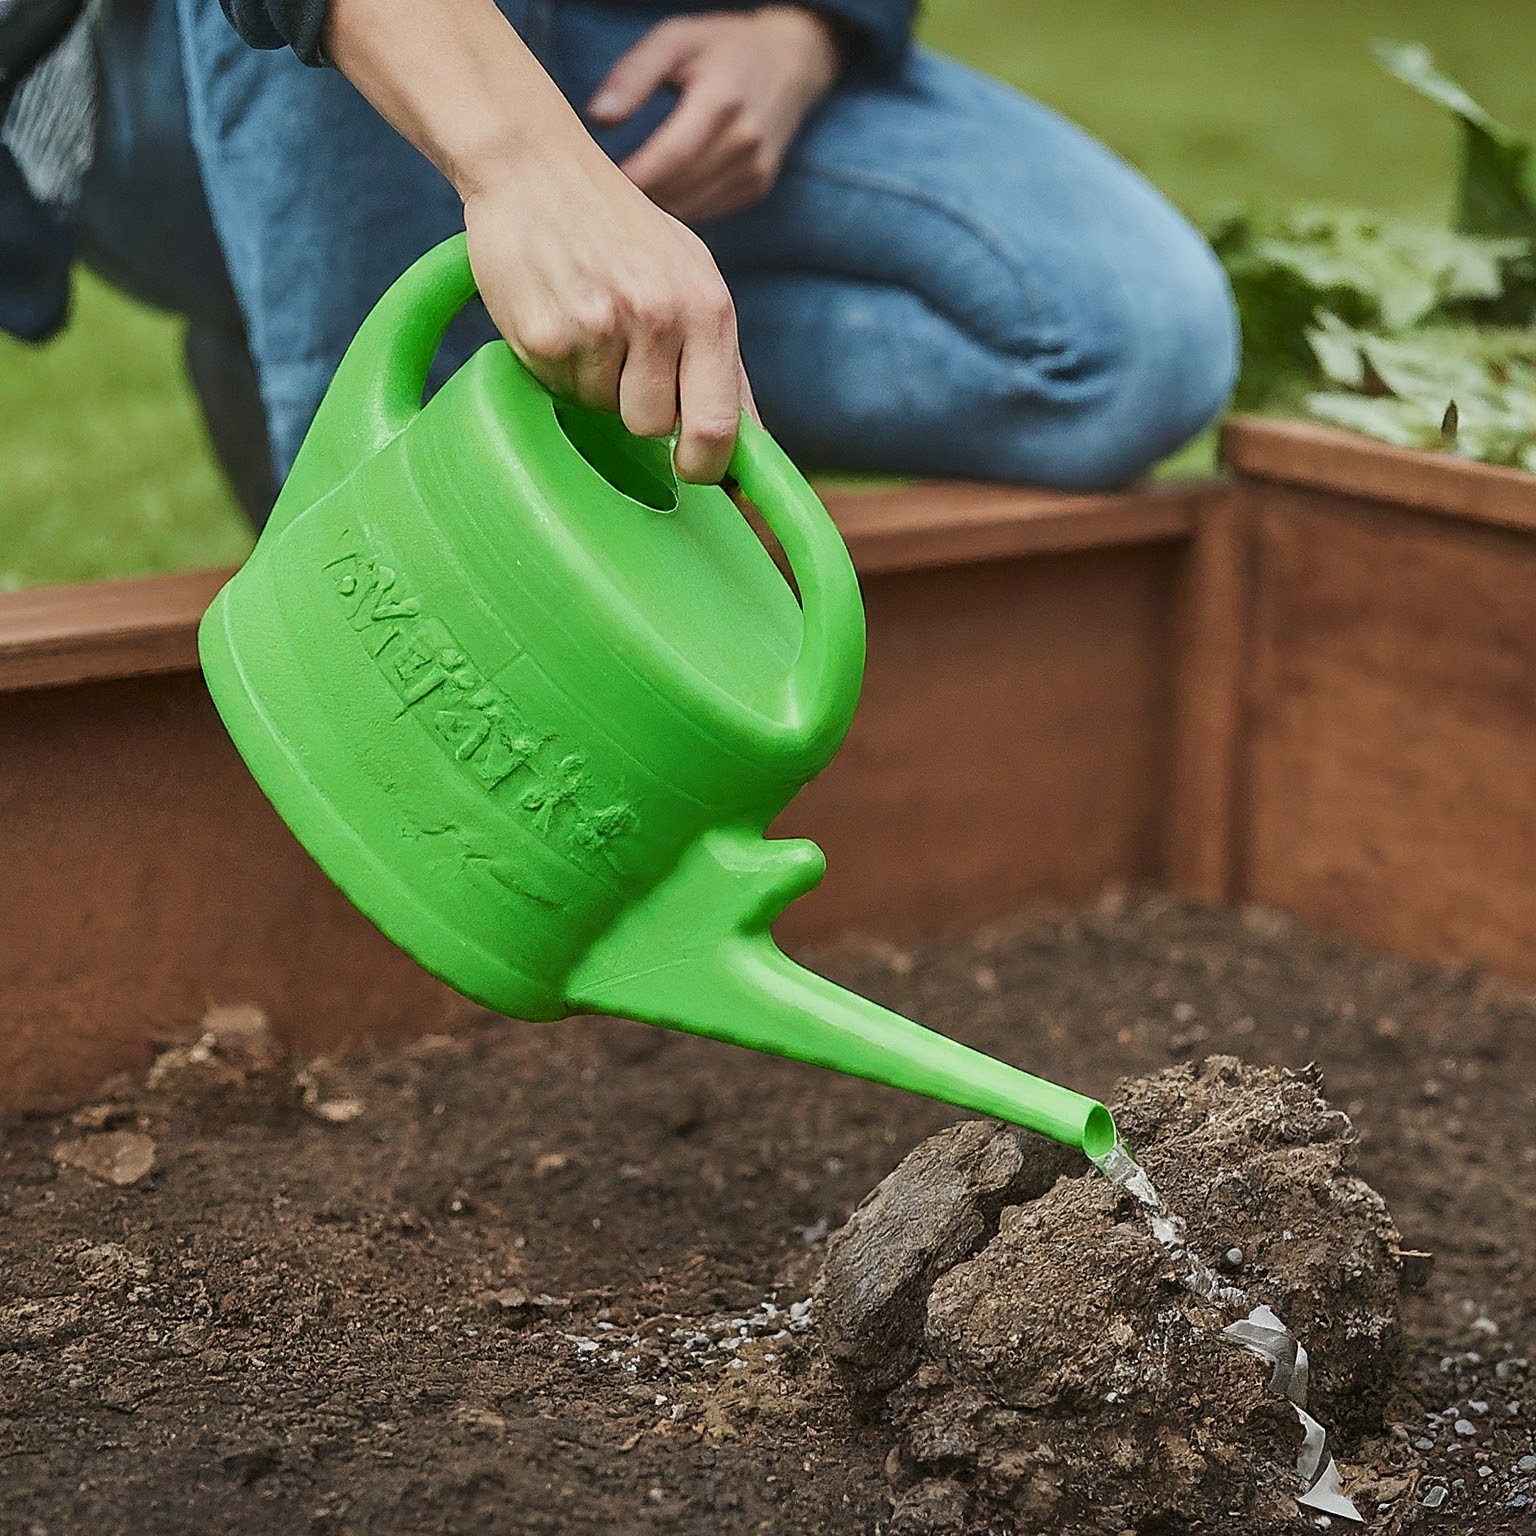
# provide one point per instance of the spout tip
(1099, 1133)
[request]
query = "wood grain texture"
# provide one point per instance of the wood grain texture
(1346, 464)
(1394, 727)
(1213, 611)
(147, 878)
(938, 523)
(1012, 744)
(56, 635)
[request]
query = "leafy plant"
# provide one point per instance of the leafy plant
(1472, 392)
(1497, 195)
(1418, 336)
(1288, 270)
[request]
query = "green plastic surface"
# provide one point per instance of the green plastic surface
(531, 703)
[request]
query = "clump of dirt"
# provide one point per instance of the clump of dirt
(1040, 1361)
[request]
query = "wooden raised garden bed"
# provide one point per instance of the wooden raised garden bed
(1312, 685)
(1012, 744)
(1374, 626)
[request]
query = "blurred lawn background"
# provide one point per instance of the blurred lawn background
(104, 470)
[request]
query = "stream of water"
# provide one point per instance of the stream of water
(1257, 1329)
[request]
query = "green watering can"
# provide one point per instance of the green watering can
(531, 704)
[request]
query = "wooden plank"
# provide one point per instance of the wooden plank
(1209, 730)
(1394, 697)
(58, 635)
(147, 878)
(1346, 464)
(55, 635)
(938, 523)
(1012, 745)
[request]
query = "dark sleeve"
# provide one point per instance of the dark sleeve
(874, 33)
(295, 24)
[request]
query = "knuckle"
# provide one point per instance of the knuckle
(597, 320)
(647, 418)
(748, 133)
(653, 313)
(760, 176)
(552, 339)
(715, 429)
(715, 310)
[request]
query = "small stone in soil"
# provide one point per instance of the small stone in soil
(1434, 1498)
(119, 1157)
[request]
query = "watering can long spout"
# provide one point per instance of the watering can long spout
(696, 955)
(533, 724)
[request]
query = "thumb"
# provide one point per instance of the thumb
(638, 72)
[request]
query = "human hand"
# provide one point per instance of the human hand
(611, 302)
(746, 81)
(607, 299)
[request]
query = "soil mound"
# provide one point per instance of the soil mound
(1042, 1367)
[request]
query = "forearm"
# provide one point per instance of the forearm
(455, 79)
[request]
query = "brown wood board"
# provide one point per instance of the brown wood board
(55, 635)
(934, 523)
(1393, 698)
(147, 878)
(1012, 744)
(1213, 611)
(1347, 464)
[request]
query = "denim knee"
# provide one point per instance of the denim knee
(1157, 364)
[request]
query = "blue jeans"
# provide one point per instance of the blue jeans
(948, 278)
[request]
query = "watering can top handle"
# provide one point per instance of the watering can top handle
(390, 358)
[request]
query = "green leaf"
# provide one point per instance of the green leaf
(1287, 270)
(1467, 390)
(1497, 195)
(1403, 423)
(1337, 349)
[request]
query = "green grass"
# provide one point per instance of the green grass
(104, 470)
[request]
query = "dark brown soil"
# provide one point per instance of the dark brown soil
(493, 1284)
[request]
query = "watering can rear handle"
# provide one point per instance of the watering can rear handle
(392, 352)
(387, 365)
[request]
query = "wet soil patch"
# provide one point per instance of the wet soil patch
(553, 1278)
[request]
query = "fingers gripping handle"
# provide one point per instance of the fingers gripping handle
(829, 671)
